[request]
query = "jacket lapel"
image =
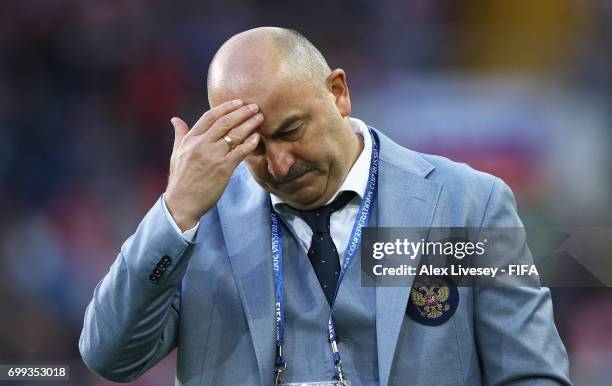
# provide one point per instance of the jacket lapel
(405, 199)
(245, 221)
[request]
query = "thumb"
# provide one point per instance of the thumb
(180, 130)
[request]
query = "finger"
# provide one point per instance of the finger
(211, 116)
(243, 130)
(237, 154)
(180, 130)
(227, 122)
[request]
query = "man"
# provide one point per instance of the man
(201, 273)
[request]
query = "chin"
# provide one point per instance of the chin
(306, 198)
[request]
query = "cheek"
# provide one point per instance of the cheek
(312, 153)
(329, 151)
(316, 148)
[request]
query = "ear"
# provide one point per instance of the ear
(336, 84)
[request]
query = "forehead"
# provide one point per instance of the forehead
(278, 98)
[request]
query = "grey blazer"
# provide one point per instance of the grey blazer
(163, 293)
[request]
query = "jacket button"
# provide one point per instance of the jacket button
(154, 278)
(166, 260)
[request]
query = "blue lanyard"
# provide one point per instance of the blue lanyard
(361, 221)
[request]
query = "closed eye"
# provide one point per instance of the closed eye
(292, 134)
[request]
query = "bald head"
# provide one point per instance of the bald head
(255, 59)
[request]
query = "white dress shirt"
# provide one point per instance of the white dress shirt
(341, 221)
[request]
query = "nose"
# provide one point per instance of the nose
(279, 159)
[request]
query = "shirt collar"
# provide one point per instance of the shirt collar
(357, 177)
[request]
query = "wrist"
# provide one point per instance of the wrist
(184, 219)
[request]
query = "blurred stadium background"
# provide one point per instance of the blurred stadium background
(521, 89)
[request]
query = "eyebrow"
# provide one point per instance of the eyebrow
(287, 122)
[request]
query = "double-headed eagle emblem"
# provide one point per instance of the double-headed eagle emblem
(431, 300)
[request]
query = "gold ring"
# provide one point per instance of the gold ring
(229, 141)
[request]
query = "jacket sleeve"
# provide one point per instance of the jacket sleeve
(517, 340)
(132, 321)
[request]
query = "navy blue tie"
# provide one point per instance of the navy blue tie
(323, 253)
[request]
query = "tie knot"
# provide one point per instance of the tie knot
(318, 219)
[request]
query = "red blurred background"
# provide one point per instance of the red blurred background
(521, 89)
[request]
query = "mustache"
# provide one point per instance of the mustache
(295, 172)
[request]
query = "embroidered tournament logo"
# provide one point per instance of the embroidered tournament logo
(433, 300)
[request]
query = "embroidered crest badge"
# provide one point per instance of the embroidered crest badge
(433, 300)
